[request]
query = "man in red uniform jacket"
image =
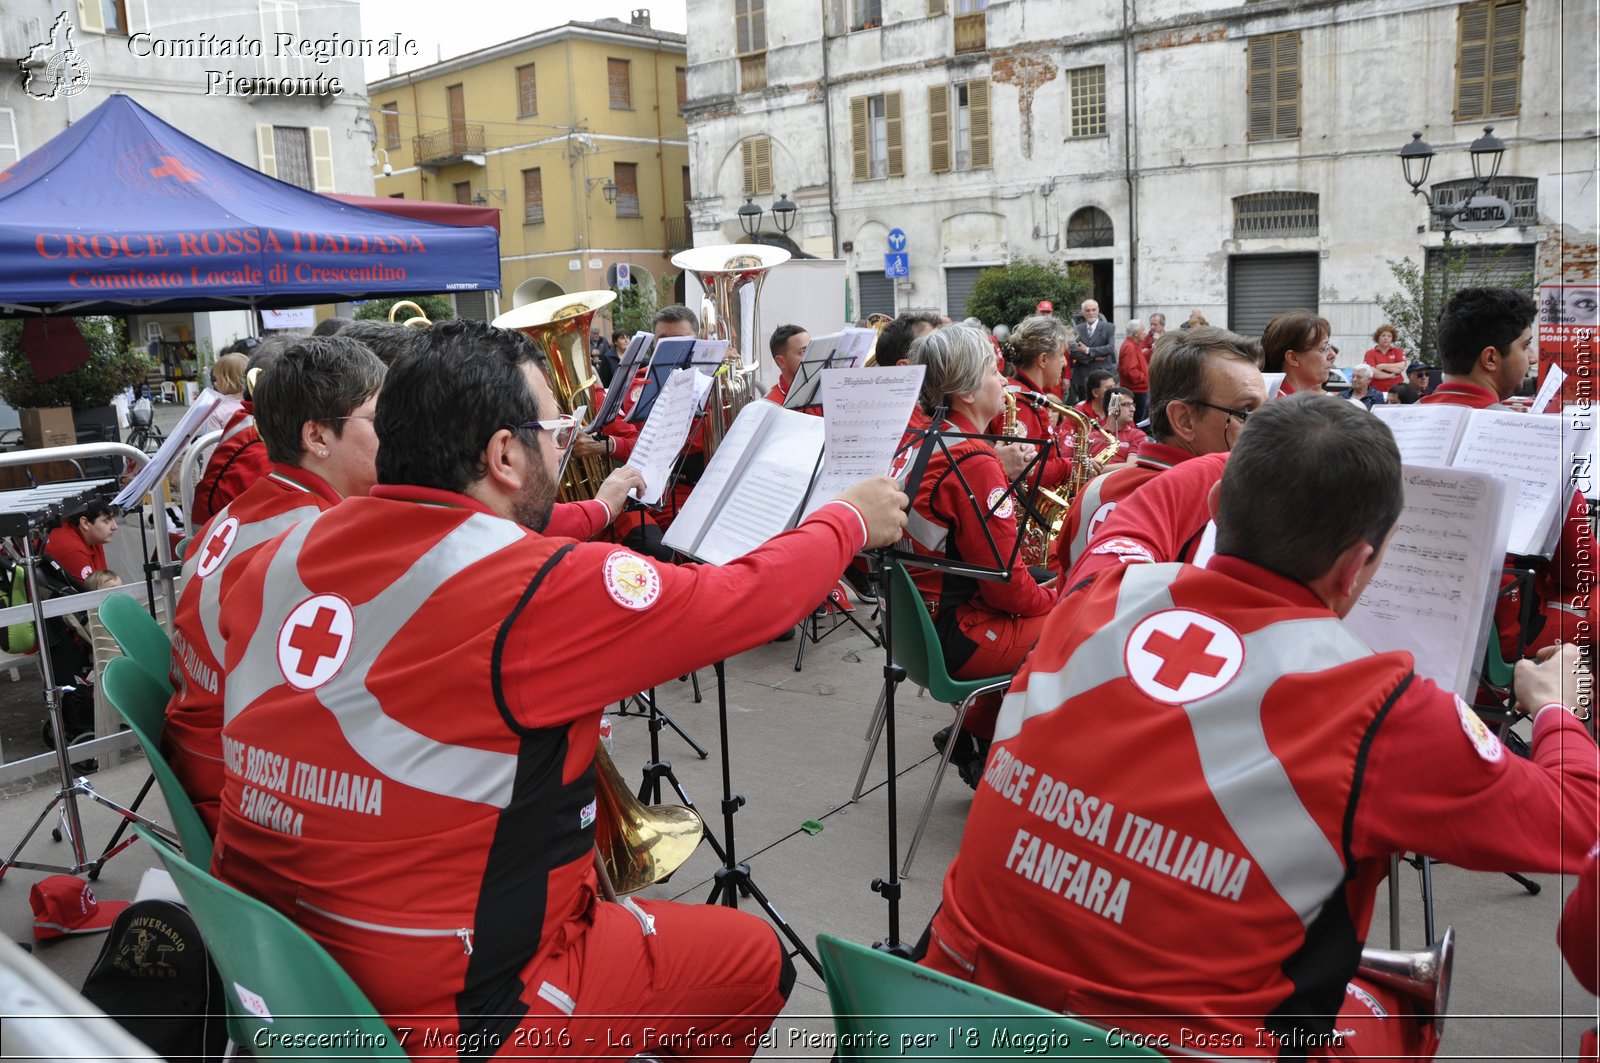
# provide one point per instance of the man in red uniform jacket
(1202, 382)
(788, 346)
(1253, 767)
(78, 544)
(410, 728)
(1486, 347)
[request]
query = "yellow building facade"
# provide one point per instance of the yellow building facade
(574, 133)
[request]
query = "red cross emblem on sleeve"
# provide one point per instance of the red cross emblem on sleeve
(315, 640)
(1179, 656)
(215, 549)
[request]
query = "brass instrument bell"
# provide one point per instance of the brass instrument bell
(640, 844)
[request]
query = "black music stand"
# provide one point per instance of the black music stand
(927, 440)
(25, 512)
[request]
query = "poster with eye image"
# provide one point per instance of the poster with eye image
(1569, 318)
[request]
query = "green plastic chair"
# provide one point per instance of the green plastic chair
(281, 985)
(887, 1007)
(914, 645)
(143, 704)
(180, 551)
(141, 638)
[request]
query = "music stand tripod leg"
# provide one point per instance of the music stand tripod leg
(893, 676)
(733, 878)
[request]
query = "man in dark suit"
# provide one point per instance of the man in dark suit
(1093, 348)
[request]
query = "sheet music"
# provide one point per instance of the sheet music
(1529, 448)
(627, 369)
(1553, 379)
(864, 414)
(1434, 593)
(1426, 435)
(767, 496)
(665, 431)
(169, 452)
(698, 509)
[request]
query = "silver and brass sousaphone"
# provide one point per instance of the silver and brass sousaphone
(560, 326)
(726, 272)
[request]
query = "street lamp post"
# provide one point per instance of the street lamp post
(1416, 157)
(783, 212)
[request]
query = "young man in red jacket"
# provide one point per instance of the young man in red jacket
(1253, 766)
(410, 727)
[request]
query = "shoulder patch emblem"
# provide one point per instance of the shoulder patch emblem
(1483, 740)
(631, 580)
(1099, 518)
(1000, 503)
(1125, 550)
(214, 551)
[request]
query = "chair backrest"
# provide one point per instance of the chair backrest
(888, 1007)
(140, 637)
(141, 702)
(181, 550)
(913, 640)
(276, 977)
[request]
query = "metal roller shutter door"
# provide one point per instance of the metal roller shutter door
(877, 294)
(1260, 287)
(473, 305)
(958, 282)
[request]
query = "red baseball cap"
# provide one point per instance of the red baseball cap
(63, 904)
(1045, 307)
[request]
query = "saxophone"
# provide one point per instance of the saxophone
(1043, 514)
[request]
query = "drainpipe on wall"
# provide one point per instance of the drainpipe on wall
(1128, 153)
(827, 129)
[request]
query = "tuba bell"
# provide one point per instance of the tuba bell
(1423, 976)
(560, 327)
(727, 272)
(639, 844)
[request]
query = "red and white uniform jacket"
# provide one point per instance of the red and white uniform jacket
(68, 548)
(1253, 766)
(1566, 582)
(410, 729)
(192, 737)
(1035, 423)
(1163, 519)
(623, 434)
(780, 392)
(943, 522)
(1099, 499)
(239, 461)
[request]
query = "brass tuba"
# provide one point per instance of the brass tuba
(726, 272)
(1040, 520)
(560, 327)
(639, 844)
(419, 321)
(1423, 976)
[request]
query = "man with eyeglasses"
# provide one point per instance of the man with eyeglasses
(413, 709)
(1203, 384)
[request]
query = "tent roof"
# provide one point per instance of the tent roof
(124, 213)
(425, 209)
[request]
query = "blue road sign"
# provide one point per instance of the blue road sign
(897, 240)
(897, 265)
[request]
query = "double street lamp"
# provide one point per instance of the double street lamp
(783, 212)
(1415, 158)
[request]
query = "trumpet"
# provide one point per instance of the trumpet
(731, 275)
(560, 327)
(1423, 976)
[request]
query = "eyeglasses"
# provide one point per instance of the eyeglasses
(563, 430)
(1241, 415)
(358, 417)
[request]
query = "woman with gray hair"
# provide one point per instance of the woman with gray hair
(963, 502)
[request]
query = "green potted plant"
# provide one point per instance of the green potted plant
(87, 388)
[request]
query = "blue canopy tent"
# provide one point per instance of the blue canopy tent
(124, 213)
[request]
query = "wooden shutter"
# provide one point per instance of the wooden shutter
(978, 122)
(860, 162)
(1472, 59)
(1286, 85)
(621, 84)
(935, 8)
(939, 128)
(532, 197)
(322, 179)
(10, 149)
(266, 151)
(527, 90)
(683, 88)
(91, 18)
(138, 16)
(1505, 59)
(1260, 88)
(755, 156)
(626, 175)
(897, 153)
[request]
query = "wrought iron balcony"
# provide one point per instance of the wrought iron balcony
(444, 147)
(678, 235)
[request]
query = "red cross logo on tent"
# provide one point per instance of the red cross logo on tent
(173, 167)
(1180, 656)
(216, 547)
(315, 640)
